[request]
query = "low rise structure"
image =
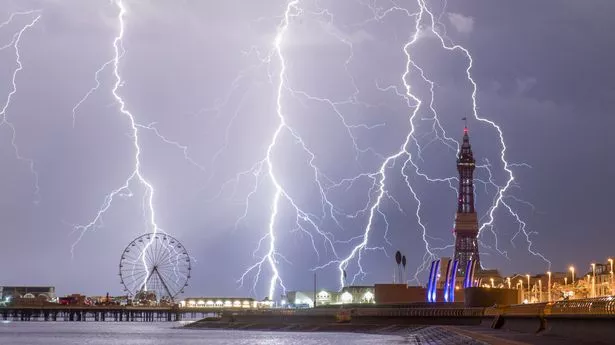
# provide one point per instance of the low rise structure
(348, 295)
(222, 302)
(404, 294)
(47, 293)
(399, 294)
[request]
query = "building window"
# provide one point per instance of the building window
(346, 297)
(368, 297)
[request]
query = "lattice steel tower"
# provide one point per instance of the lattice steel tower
(466, 221)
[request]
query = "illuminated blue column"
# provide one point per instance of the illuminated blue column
(453, 277)
(430, 281)
(447, 281)
(434, 283)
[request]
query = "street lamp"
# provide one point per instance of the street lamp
(549, 287)
(508, 280)
(572, 271)
(593, 280)
(529, 287)
(611, 262)
(492, 285)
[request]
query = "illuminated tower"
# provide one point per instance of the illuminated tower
(466, 222)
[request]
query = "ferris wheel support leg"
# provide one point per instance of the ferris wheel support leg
(149, 276)
(164, 283)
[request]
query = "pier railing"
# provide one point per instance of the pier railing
(588, 306)
(421, 312)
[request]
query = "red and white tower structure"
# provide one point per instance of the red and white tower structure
(466, 221)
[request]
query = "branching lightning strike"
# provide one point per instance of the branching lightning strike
(4, 121)
(440, 135)
(500, 196)
(304, 220)
(136, 176)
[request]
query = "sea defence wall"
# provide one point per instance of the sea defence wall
(360, 316)
(588, 319)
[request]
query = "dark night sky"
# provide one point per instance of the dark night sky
(193, 69)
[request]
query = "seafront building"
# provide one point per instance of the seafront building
(225, 302)
(47, 293)
(348, 295)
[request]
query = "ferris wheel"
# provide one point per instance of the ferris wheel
(155, 264)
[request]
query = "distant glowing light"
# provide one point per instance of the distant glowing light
(346, 297)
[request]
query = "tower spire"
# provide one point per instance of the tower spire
(466, 221)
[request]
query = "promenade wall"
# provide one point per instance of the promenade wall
(583, 320)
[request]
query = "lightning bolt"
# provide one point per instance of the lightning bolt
(270, 256)
(4, 121)
(502, 192)
(380, 180)
(136, 176)
(440, 135)
(305, 222)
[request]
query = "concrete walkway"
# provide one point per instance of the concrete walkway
(504, 337)
(437, 335)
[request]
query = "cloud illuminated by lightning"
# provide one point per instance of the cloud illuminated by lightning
(4, 121)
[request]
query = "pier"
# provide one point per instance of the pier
(102, 313)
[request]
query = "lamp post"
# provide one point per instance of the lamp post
(508, 280)
(593, 280)
(549, 287)
(572, 271)
(611, 262)
(492, 285)
(529, 288)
